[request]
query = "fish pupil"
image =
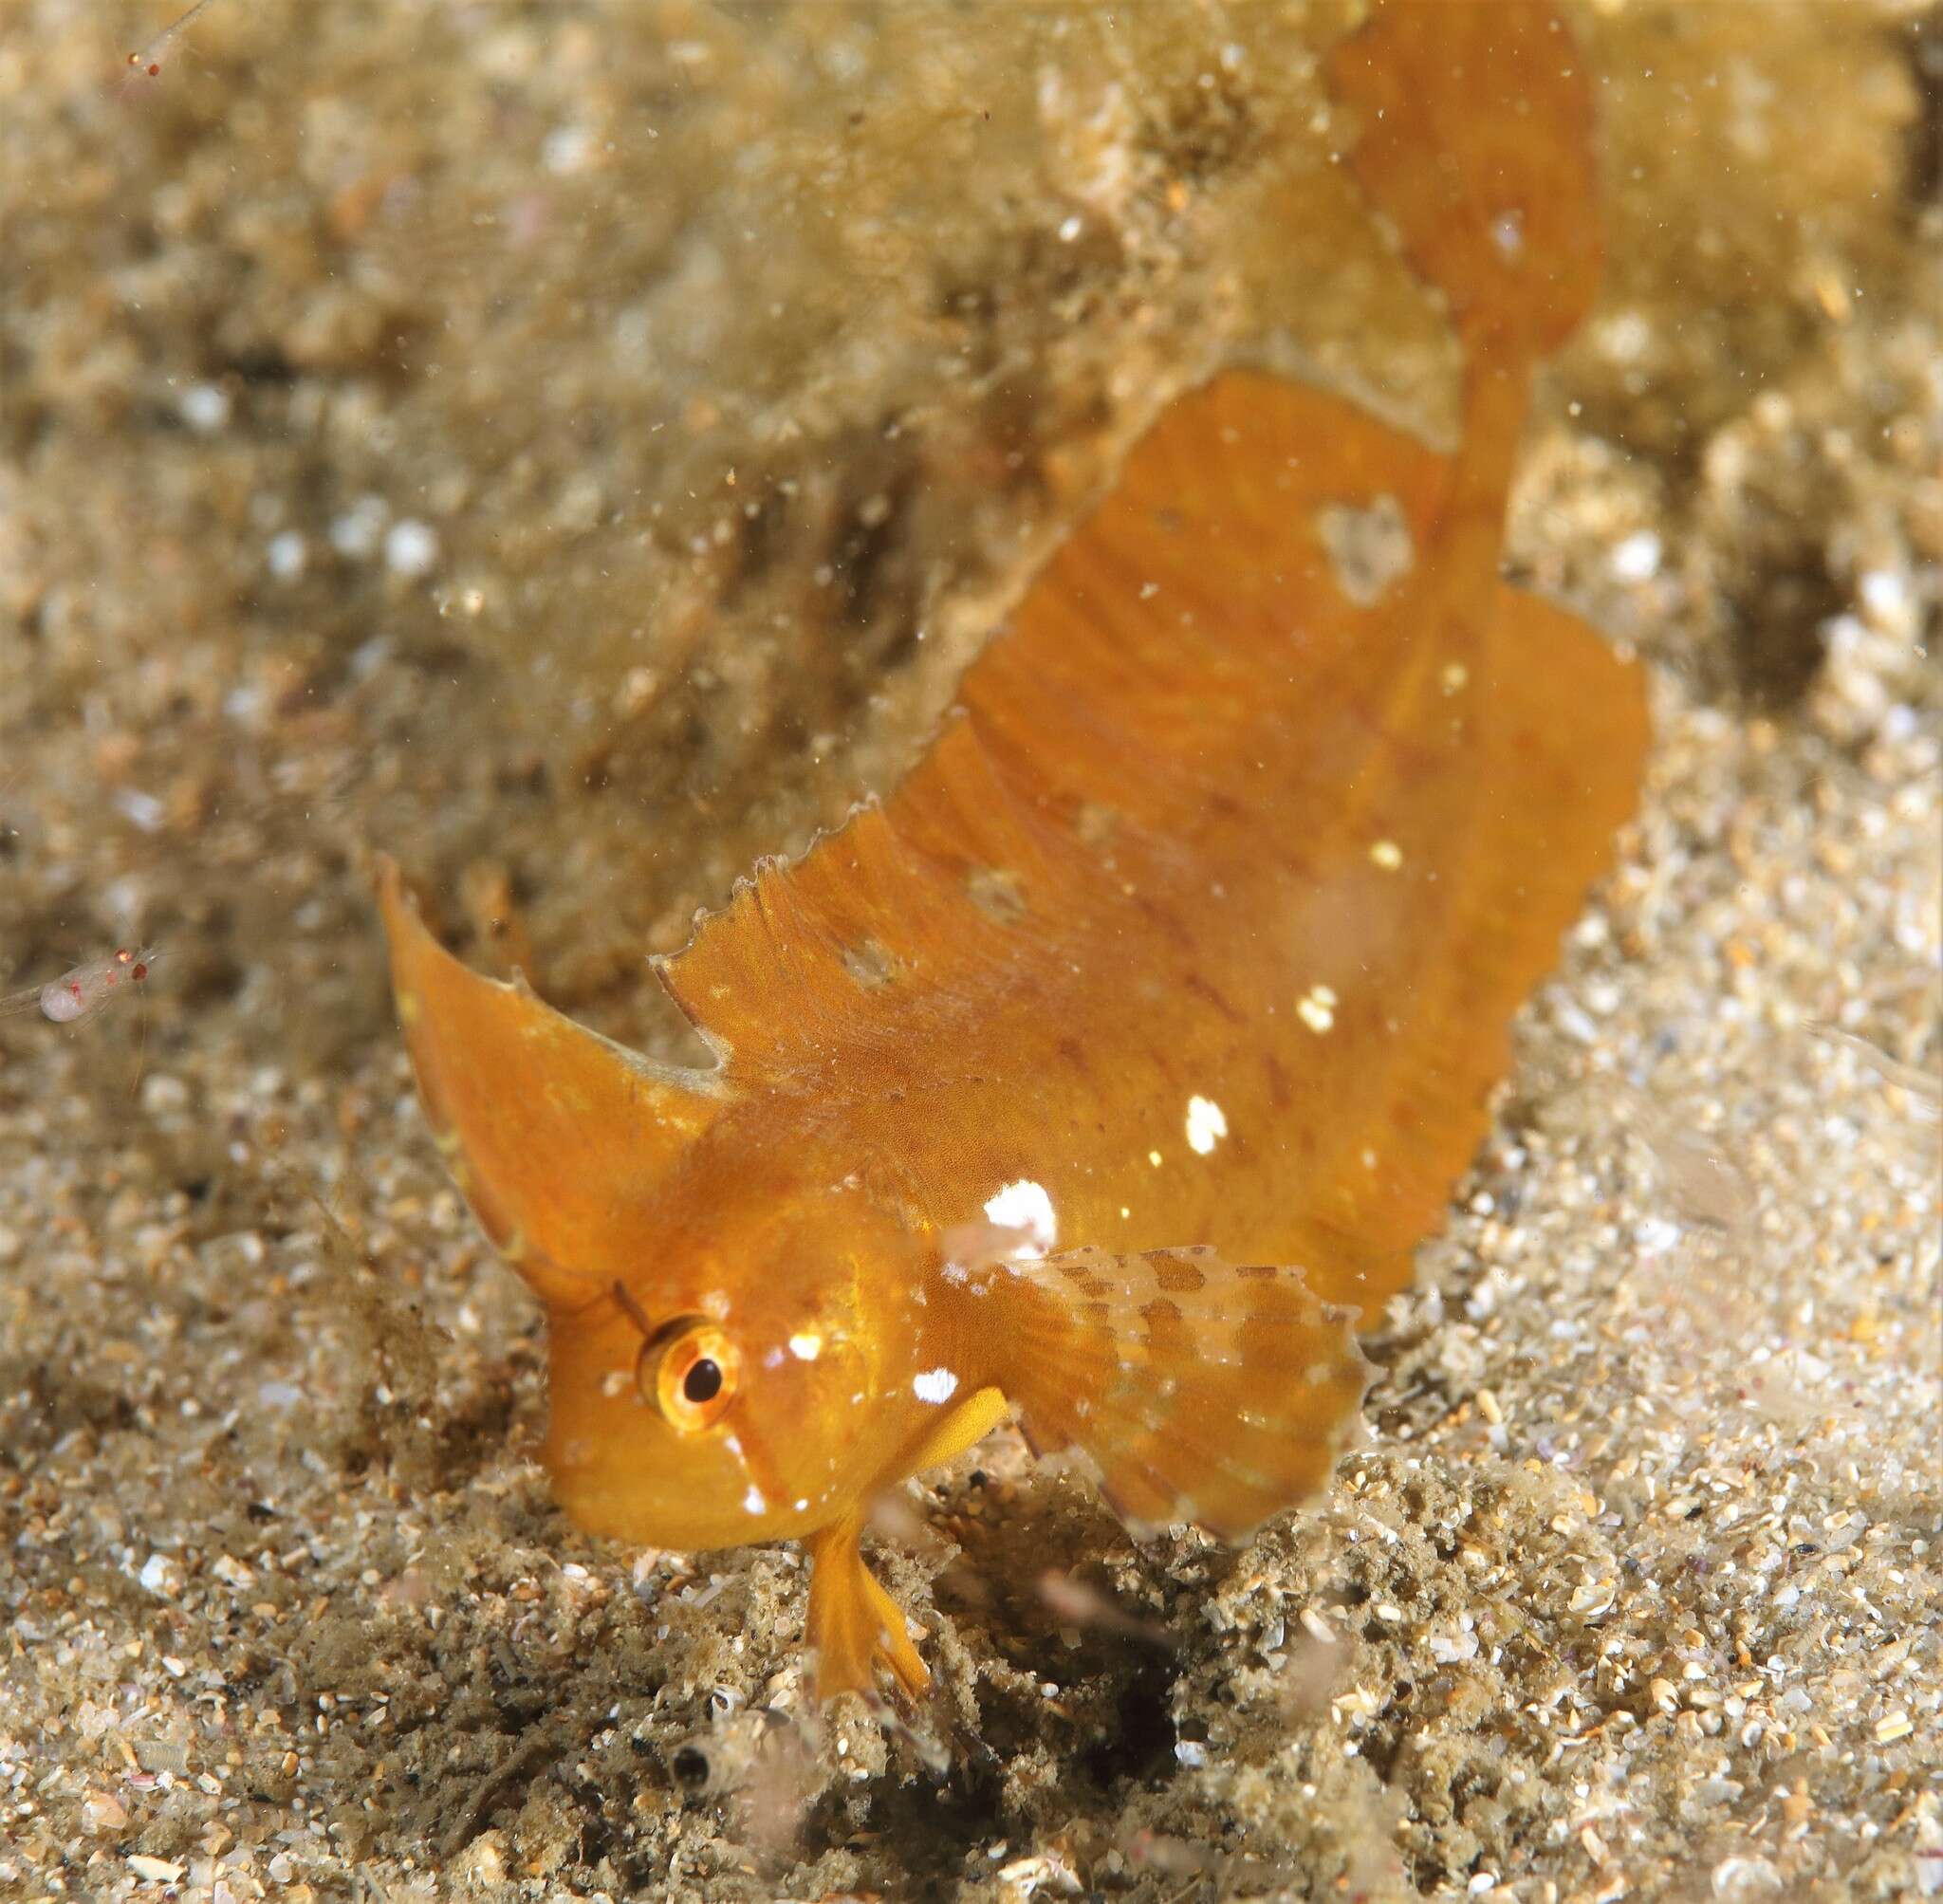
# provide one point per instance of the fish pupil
(703, 1381)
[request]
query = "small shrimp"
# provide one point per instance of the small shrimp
(149, 60)
(88, 990)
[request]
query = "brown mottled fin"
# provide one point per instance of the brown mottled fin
(547, 1128)
(1203, 1392)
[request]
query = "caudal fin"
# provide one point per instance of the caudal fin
(1476, 141)
(1566, 730)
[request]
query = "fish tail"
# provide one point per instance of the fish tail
(1475, 142)
(1562, 745)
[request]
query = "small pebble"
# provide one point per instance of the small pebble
(205, 407)
(1636, 558)
(411, 548)
(287, 555)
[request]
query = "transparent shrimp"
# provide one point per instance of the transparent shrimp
(148, 62)
(88, 990)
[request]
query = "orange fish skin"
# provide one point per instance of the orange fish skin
(1113, 1069)
(828, 1411)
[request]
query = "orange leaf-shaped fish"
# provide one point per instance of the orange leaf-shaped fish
(1113, 1067)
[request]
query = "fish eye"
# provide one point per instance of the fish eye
(689, 1371)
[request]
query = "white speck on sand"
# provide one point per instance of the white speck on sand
(205, 408)
(355, 534)
(1636, 558)
(287, 555)
(411, 548)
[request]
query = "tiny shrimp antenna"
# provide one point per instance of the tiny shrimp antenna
(129, 967)
(138, 977)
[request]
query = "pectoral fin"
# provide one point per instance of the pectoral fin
(553, 1133)
(1203, 1392)
(854, 1626)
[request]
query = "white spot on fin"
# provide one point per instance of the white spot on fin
(1025, 1207)
(1318, 1010)
(935, 1386)
(1369, 548)
(1207, 1125)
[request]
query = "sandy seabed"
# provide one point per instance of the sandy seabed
(577, 448)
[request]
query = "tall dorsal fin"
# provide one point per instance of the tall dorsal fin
(549, 1128)
(1200, 681)
(894, 906)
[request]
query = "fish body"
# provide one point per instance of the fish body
(1110, 1071)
